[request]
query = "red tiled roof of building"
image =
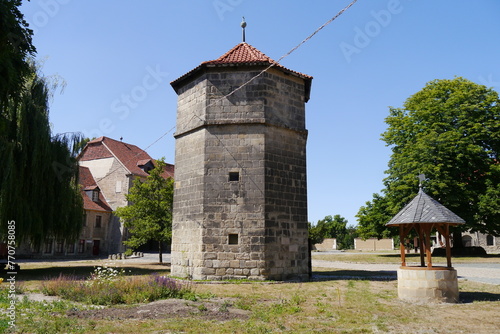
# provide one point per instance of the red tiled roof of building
(243, 54)
(127, 154)
(131, 156)
(168, 171)
(86, 180)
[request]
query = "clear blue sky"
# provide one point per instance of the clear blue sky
(118, 58)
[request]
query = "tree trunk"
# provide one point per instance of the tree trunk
(160, 251)
(457, 239)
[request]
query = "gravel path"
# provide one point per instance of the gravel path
(479, 272)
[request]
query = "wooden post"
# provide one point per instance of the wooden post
(427, 231)
(421, 244)
(448, 247)
(402, 245)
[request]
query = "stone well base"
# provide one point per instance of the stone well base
(420, 284)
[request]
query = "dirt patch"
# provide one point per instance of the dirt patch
(220, 309)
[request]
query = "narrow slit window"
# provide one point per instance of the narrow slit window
(234, 176)
(233, 239)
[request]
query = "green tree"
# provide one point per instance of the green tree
(372, 219)
(315, 234)
(333, 227)
(39, 174)
(15, 48)
(149, 215)
(449, 131)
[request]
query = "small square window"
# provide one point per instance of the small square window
(234, 176)
(233, 239)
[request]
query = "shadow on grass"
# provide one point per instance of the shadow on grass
(334, 275)
(82, 272)
(470, 297)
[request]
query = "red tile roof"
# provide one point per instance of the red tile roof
(168, 171)
(87, 182)
(127, 154)
(131, 156)
(242, 54)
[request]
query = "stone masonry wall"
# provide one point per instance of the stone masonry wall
(188, 205)
(286, 229)
(240, 199)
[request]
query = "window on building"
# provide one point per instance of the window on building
(84, 220)
(98, 221)
(467, 241)
(47, 248)
(81, 246)
(95, 195)
(118, 188)
(490, 241)
(71, 248)
(234, 176)
(35, 249)
(233, 239)
(59, 246)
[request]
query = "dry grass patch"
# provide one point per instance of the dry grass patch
(351, 302)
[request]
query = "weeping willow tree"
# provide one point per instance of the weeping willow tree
(39, 174)
(15, 46)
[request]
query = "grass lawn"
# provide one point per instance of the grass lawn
(349, 303)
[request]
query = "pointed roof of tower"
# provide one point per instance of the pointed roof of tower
(243, 54)
(425, 209)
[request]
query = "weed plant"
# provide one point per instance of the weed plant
(108, 286)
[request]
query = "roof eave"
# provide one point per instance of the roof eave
(203, 67)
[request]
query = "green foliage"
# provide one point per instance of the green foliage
(149, 215)
(449, 131)
(39, 180)
(372, 219)
(15, 47)
(333, 227)
(39, 173)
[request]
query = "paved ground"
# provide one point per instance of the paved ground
(479, 272)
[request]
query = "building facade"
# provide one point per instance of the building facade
(240, 198)
(114, 165)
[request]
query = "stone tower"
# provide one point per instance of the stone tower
(240, 199)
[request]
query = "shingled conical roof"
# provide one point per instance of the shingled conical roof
(425, 209)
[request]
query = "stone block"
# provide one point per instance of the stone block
(419, 285)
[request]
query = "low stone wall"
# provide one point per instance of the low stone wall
(327, 245)
(373, 244)
(419, 284)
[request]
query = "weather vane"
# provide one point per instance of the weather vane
(243, 25)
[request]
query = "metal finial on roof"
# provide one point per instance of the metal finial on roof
(421, 177)
(243, 24)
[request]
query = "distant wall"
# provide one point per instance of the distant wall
(326, 245)
(373, 244)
